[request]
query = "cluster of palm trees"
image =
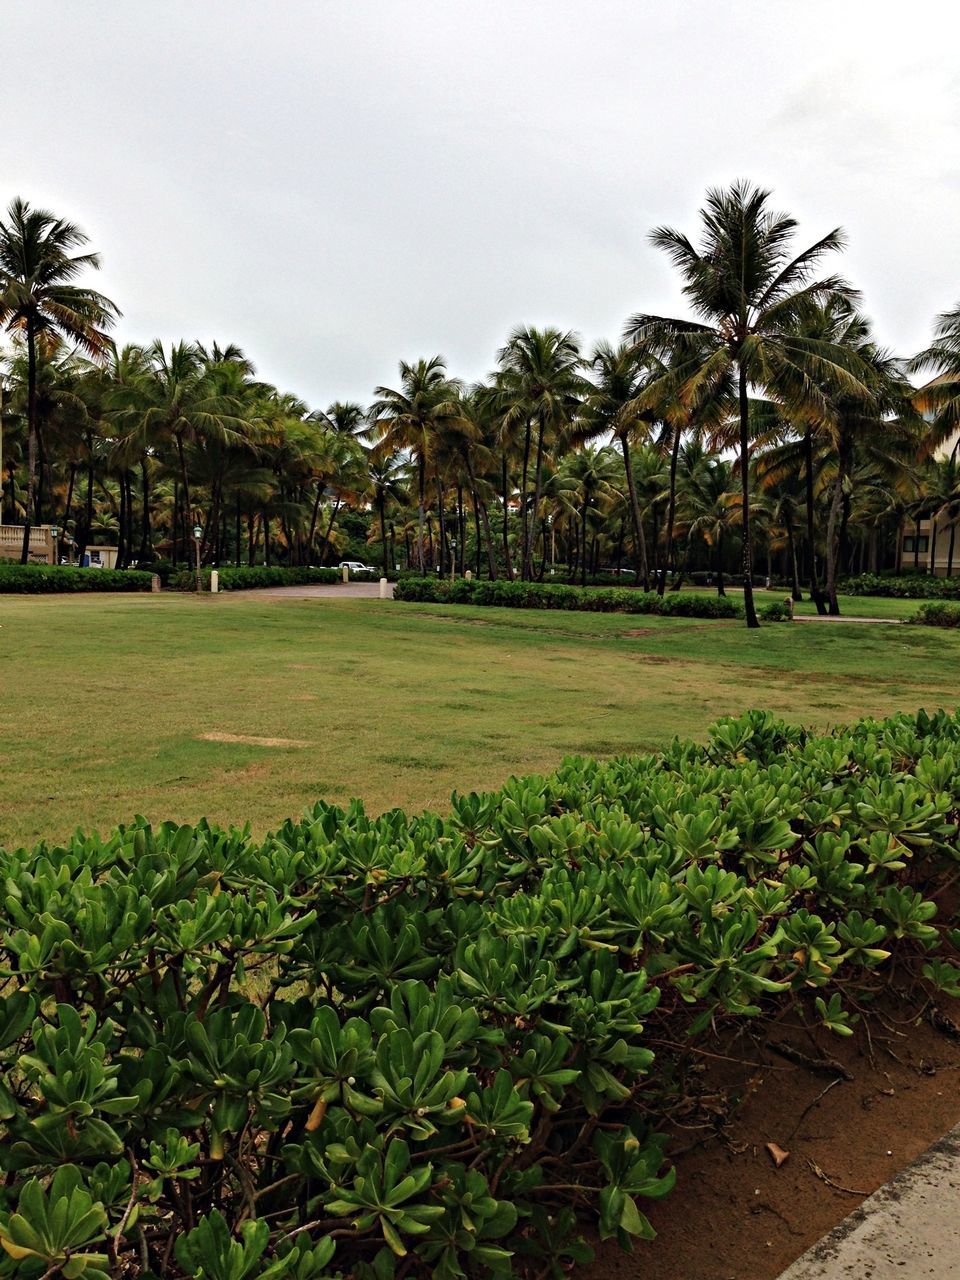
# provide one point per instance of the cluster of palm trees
(766, 428)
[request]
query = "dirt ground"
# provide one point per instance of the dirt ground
(733, 1214)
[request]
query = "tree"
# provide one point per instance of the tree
(542, 387)
(388, 478)
(750, 292)
(940, 398)
(408, 420)
(38, 296)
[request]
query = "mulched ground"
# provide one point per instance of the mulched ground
(733, 1214)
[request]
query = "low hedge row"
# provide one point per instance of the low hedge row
(937, 615)
(544, 595)
(41, 579)
(426, 1046)
(907, 587)
(245, 578)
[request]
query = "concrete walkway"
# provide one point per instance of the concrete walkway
(908, 1230)
(337, 591)
(828, 617)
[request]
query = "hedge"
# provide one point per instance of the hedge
(245, 578)
(937, 615)
(40, 579)
(428, 1046)
(543, 595)
(907, 587)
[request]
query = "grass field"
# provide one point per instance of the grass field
(117, 705)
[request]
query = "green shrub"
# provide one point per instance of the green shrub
(937, 615)
(41, 579)
(246, 578)
(424, 1038)
(777, 611)
(905, 587)
(551, 595)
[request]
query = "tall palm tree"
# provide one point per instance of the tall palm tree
(408, 419)
(388, 478)
(940, 398)
(750, 292)
(709, 504)
(37, 296)
(613, 407)
(542, 386)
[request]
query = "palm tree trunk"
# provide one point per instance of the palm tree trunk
(237, 531)
(537, 494)
(422, 480)
(636, 520)
(485, 518)
(441, 516)
(31, 439)
(933, 543)
(815, 593)
(326, 536)
(671, 509)
(748, 605)
(381, 501)
(832, 539)
(313, 519)
(145, 537)
(508, 564)
(66, 514)
(524, 531)
(583, 539)
(185, 491)
(916, 545)
(88, 516)
(265, 521)
(122, 525)
(795, 592)
(721, 589)
(953, 536)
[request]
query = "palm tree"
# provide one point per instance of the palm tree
(408, 419)
(37, 296)
(542, 387)
(750, 293)
(388, 477)
(941, 397)
(613, 407)
(709, 504)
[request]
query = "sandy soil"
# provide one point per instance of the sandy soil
(734, 1215)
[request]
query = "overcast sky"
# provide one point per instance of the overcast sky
(338, 186)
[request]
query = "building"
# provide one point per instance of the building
(932, 544)
(42, 548)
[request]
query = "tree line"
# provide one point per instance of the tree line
(762, 430)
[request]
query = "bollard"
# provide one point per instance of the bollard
(383, 589)
(214, 581)
(789, 603)
(469, 575)
(155, 582)
(345, 573)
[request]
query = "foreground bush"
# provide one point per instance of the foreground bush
(414, 1046)
(908, 587)
(245, 578)
(937, 615)
(41, 579)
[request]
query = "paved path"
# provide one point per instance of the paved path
(829, 617)
(339, 591)
(908, 1230)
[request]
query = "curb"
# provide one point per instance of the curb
(908, 1230)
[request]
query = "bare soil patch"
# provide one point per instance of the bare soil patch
(250, 740)
(734, 1215)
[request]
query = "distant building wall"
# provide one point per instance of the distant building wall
(41, 549)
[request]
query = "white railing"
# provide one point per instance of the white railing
(11, 540)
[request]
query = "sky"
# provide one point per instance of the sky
(336, 186)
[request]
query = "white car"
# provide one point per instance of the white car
(357, 566)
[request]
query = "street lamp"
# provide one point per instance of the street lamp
(197, 535)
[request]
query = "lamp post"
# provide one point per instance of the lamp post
(55, 535)
(197, 535)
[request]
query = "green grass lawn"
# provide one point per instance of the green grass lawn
(106, 700)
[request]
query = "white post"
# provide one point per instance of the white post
(345, 573)
(155, 582)
(383, 588)
(469, 575)
(214, 581)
